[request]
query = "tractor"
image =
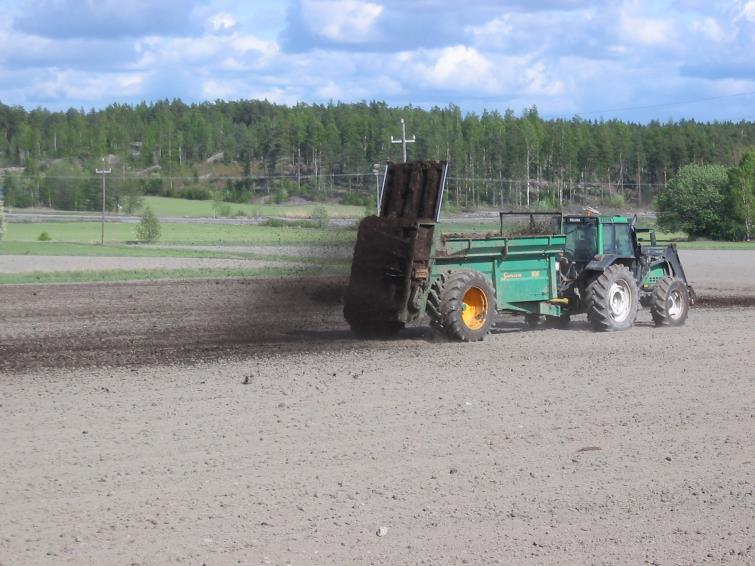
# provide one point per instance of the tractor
(557, 266)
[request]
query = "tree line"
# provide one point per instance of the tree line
(327, 150)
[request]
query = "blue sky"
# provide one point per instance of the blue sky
(629, 59)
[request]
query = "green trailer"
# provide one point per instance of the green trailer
(472, 277)
(556, 267)
(403, 268)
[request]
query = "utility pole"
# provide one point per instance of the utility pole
(376, 172)
(103, 172)
(403, 141)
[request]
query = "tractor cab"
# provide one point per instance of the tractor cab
(588, 237)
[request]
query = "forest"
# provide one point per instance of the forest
(241, 150)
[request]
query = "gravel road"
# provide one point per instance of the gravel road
(227, 422)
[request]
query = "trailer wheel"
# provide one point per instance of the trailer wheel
(613, 300)
(467, 306)
(433, 301)
(670, 302)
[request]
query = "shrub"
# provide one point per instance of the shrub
(44, 237)
(692, 200)
(614, 200)
(148, 229)
(548, 202)
(274, 223)
(194, 193)
(224, 210)
(320, 216)
(357, 199)
(280, 196)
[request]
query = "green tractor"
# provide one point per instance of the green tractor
(556, 267)
(607, 273)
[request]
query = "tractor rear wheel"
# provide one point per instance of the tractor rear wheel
(467, 306)
(669, 305)
(612, 300)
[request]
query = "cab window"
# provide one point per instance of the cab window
(581, 240)
(617, 239)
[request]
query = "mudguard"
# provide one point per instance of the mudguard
(602, 262)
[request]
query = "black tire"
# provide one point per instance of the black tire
(670, 302)
(379, 329)
(612, 300)
(433, 301)
(466, 321)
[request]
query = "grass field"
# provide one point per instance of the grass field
(89, 232)
(164, 206)
(127, 250)
(118, 233)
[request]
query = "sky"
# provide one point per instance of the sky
(635, 60)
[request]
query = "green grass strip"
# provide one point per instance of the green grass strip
(125, 250)
(116, 233)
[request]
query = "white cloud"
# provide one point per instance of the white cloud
(330, 91)
(275, 94)
(349, 21)
(459, 67)
(709, 28)
(234, 51)
(244, 43)
(644, 30)
(222, 21)
(212, 90)
(495, 32)
(541, 82)
(79, 86)
(747, 11)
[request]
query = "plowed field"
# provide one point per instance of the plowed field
(226, 422)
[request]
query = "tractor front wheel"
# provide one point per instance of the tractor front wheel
(467, 306)
(669, 305)
(613, 300)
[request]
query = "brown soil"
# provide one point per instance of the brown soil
(149, 323)
(239, 422)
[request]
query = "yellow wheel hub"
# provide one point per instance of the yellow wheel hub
(474, 308)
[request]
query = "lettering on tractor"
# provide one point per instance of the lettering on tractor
(560, 266)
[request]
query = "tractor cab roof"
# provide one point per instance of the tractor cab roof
(596, 218)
